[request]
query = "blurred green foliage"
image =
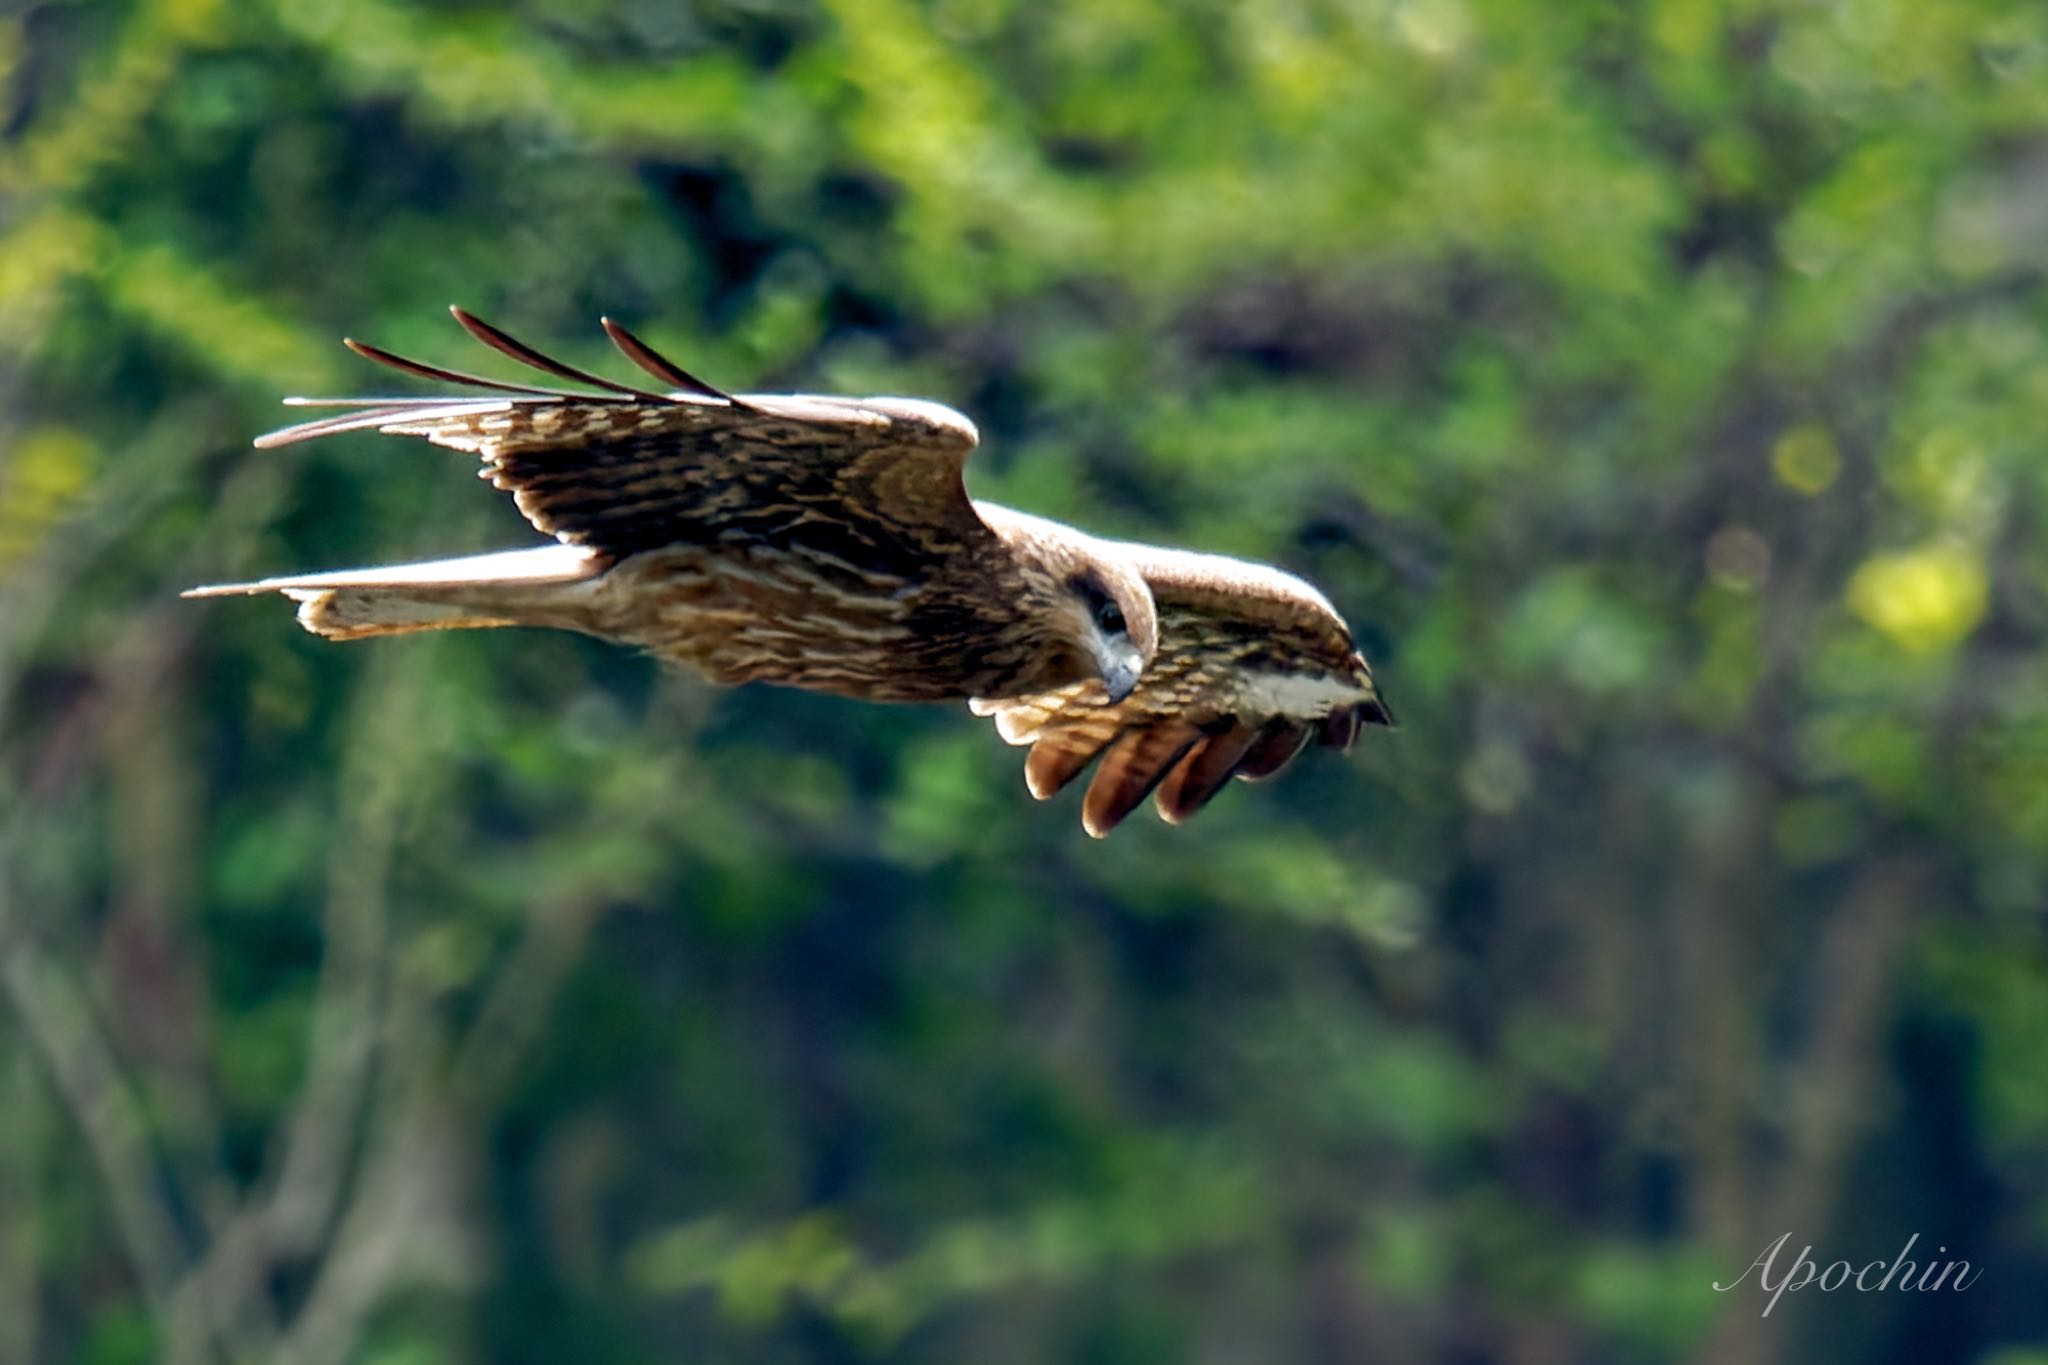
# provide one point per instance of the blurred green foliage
(1660, 388)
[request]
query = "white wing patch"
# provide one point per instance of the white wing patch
(1301, 696)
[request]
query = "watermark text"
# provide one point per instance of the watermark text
(1873, 1277)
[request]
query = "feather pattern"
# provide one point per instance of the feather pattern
(660, 366)
(1252, 663)
(1204, 771)
(1132, 767)
(830, 543)
(812, 541)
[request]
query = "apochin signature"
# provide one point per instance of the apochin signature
(1899, 1273)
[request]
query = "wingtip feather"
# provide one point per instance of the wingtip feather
(1273, 749)
(1130, 771)
(1201, 773)
(662, 368)
(506, 344)
(1052, 764)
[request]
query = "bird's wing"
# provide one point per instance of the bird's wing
(622, 470)
(1253, 665)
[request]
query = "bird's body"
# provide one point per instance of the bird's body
(830, 544)
(937, 628)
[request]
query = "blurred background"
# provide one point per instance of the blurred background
(1659, 388)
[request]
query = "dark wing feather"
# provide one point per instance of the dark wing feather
(659, 365)
(1274, 748)
(624, 470)
(1134, 765)
(1056, 760)
(1252, 664)
(438, 374)
(526, 355)
(1205, 771)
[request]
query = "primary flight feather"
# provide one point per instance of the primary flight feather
(829, 543)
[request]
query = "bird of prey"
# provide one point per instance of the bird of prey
(829, 543)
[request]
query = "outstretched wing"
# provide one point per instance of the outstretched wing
(623, 469)
(1253, 665)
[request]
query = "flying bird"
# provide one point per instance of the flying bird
(830, 543)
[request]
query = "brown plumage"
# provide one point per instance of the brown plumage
(829, 543)
(1253, 665)
(819, 542)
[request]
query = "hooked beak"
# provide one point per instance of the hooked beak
(1120, 674)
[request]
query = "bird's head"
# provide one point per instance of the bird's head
(1110, 618)
(1091, 608)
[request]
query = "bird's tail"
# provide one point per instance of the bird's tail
(543, 586)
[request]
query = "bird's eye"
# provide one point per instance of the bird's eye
(1102, 608)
